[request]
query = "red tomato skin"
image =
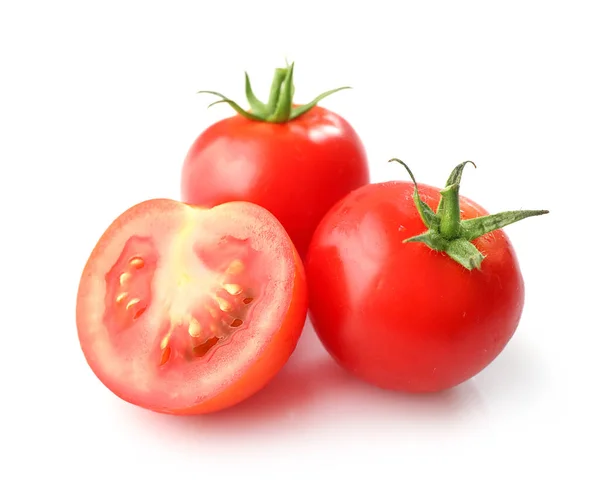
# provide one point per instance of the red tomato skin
(296, 170)
(400, 315)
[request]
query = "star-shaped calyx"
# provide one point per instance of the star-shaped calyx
(447, 232)
(280, 107)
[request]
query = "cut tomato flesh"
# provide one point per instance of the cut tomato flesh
(176, 304)
(128, 284)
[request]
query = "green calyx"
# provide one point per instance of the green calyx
(447, 232)
(280, 107)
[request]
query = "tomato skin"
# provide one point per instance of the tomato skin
(297, 170)
(125, 357)
(400, 315)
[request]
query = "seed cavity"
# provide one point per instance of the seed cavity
(132, 302)
(123, 278)
(165, 355)
(236, 323)
(247, 301)
(194, 328)
(137, 262)
(139, 313)
(203, 348)
(233, 289)
(121, 297)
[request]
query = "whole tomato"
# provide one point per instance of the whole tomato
(295, 161)
(408, 297)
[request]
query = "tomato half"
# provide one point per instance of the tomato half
(186, 310)
(401, 315)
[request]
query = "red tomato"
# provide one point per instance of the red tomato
(185, 310)
(399, 314)
(297, 167)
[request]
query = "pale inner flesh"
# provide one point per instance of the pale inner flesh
(199, 305)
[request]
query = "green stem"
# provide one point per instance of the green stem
(446, 232)
(283, 109)
(256, 104)
(479, 226)
(278, 78)
(429, 217)
(449, 212)
(280, 106)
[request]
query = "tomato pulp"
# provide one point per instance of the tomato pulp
(401, 315)
(189, 310)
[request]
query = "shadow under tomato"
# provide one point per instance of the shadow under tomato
(312, 390)
(287, 397)
(518, 374)
(313, 383)
(297, 388)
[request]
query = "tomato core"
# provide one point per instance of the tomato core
(209, 298)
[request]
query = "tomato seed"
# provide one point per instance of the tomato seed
(137, 262)
(224, 305)
(194, 328)
(131, 303)
(235, 267)
(211, 310)
(123, 278)
(233, 289)
(236, 323)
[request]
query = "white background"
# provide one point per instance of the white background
(98, 106)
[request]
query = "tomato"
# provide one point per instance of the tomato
(402, 308)
(188, 310)
(296, 161)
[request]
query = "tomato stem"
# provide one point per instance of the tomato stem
(279, 107)
(275, 91)
(283, 109)
(255, 103)
(447, 232)
(449, 206)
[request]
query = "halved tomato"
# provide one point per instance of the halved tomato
(188, 310)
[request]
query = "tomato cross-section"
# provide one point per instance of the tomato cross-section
(188, 310)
